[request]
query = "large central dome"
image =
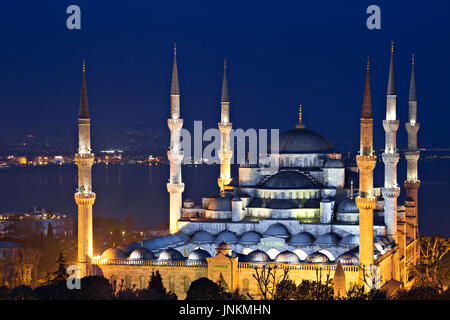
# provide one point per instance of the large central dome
(302, 140)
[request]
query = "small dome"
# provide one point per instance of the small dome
(170, 254)
(198, 255)
(302, 238)
(114, 253)
(287, 257)
(227, 236)
(257, 256)
(348, 258)
(289, 180)
(350, 240)
(282, 204)
(348, 206)
(202, 237)
(250, 237)
(277, 230)
(328, 239)
(220, 204)
(302, 140)
(223, 246)
(317, 257)
(141, 254)
(333, 164)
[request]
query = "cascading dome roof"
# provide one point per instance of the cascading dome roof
(302, 140)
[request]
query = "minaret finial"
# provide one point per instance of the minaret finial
(175, 88)
(412, 85)
(84, 66)
(391, 81)
(368, 63)
(174, 48)
(225, 97)
(392, 46)
(412, 57)
(225, 64)
(300, 124)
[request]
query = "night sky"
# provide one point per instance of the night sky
(280, 54)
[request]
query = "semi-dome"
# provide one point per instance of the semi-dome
(114, 253)
(302, 238)
(350, 240)
(348, 206)
(348, 258)
(250, 237)
(202, 237)
(170, 254)
(333, 164)
(227, 236)
(302, 140)
(180, 237)
(289, 180)
(198, 255)
(317, 257)
(257, 256)
(220, 204)
(276, 230)
(328, 239)
(282, 204)
(141, 254)
(287, 257)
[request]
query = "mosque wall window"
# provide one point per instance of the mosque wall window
(128, 282)
(171, 284)
(187, 284)
(142, 282)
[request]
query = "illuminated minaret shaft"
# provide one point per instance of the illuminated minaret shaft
(175, 186)
(84, 197)
(390, 156)
(365, 201)
(225, 126)
(412, 182)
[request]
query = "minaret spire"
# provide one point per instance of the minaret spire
(366, 110)
(84, 197)
(84, 106)
(225, 126)
(365, 201)
(412, 183)
(175, 87)
(175, 186)
(391, 81)
(390, 156)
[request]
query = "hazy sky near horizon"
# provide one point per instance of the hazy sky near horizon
(280, 54)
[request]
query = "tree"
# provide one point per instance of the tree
(431, 270)
(205, 289)
(286, 290)
(267, 279)
(155, 289)
(61, 269)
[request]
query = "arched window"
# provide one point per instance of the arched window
(142, 282)
(187, 284)
(245, 285)
(128, 282)
(171, 284)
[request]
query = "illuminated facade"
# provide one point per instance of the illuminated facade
(304, 216)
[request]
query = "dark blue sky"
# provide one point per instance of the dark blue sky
(280, 54)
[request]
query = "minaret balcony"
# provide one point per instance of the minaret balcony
(390, 159)
(366, 163)
(412, 155)
(175, 124)
(225, 126)
(391, 125)
(174, 187)
(366, 203)
(85, 198)
(390, 192)
(412, 127)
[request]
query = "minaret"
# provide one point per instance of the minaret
(225, 126)
(390, 156)
(412, 182)
(365, 201)
(84, 197)
(175, 186)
